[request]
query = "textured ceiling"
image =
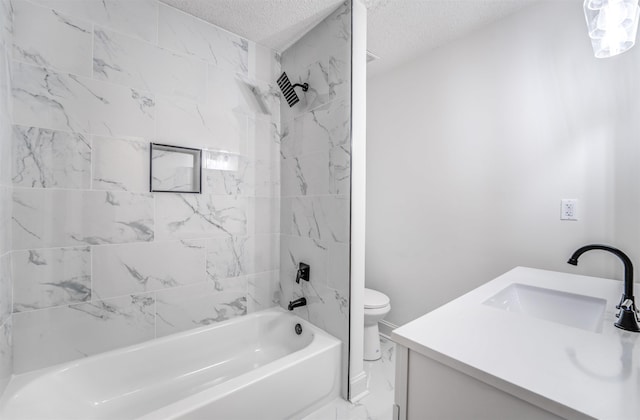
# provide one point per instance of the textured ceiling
(398, 30)
(273, 23)
(401, 30)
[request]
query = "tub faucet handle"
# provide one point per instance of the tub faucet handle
(304, 271)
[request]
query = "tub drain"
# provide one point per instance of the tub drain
(298, 329)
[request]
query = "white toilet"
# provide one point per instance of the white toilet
(376, 307)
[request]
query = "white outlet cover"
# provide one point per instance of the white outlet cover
(569, 209)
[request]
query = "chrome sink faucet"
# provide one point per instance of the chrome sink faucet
(628, 314)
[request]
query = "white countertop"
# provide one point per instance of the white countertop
(568, 371)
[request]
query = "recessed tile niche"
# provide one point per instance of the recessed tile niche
(175, 169)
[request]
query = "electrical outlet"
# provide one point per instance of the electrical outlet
(569, 209)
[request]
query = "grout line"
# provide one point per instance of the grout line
(93, 50)
(91, 301)
(91, 274)
(155, 315)
(11, 272)
(157, 18)
(89, 78)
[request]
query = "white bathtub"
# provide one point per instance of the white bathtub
(252, 367)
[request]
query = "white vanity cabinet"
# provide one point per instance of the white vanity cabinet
(474, 358)
(432, 390)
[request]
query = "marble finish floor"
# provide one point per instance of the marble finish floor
(378, 405)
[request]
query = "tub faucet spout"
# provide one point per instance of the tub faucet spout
(628, 314)
(296, 303)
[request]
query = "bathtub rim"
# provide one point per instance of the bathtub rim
(321, 340)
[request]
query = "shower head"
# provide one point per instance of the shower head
(287, 89)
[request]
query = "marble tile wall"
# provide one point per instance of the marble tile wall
(6, 274)
(315, 176)
(98, 261)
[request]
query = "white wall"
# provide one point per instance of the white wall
(472, 146)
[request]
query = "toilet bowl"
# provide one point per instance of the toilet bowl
(376, 307)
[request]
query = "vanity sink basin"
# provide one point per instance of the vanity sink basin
(570, 309)
(542, 337)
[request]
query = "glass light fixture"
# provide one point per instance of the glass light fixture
(612, 24)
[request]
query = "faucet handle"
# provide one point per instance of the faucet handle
(303, 272)
(627, 305)
(628, 316)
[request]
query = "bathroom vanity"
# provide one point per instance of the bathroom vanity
(530, 344)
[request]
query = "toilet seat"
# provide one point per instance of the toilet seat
(374, 299)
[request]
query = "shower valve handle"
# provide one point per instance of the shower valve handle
(304, 271)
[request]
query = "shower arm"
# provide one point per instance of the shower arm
(304, 86)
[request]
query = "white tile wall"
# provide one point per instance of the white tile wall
(316, 147)
(140, 267)
(47, 99)
(6, 353)
(201, 304)
(228, 257)
(241, 255)
(50, 159)
(99, 262)
(138, 18)
(48, 38)
(5, 125)
(130, 174)
(127, 61)
(293, 251)
(54, 218)
(263, 215)
(323, 218)
(182, 122)
(50, 277)
(5, 216)
(182, 33)
(6, 281)
(46, 337)
(257, 99)
(315, 176)
(263, 290)
(264, 63)
(189, 216)
(325, 128)
(238, 181)
(162, 263)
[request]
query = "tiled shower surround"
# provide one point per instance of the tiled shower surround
(89, 259)
(98, 261)
(316, 175)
